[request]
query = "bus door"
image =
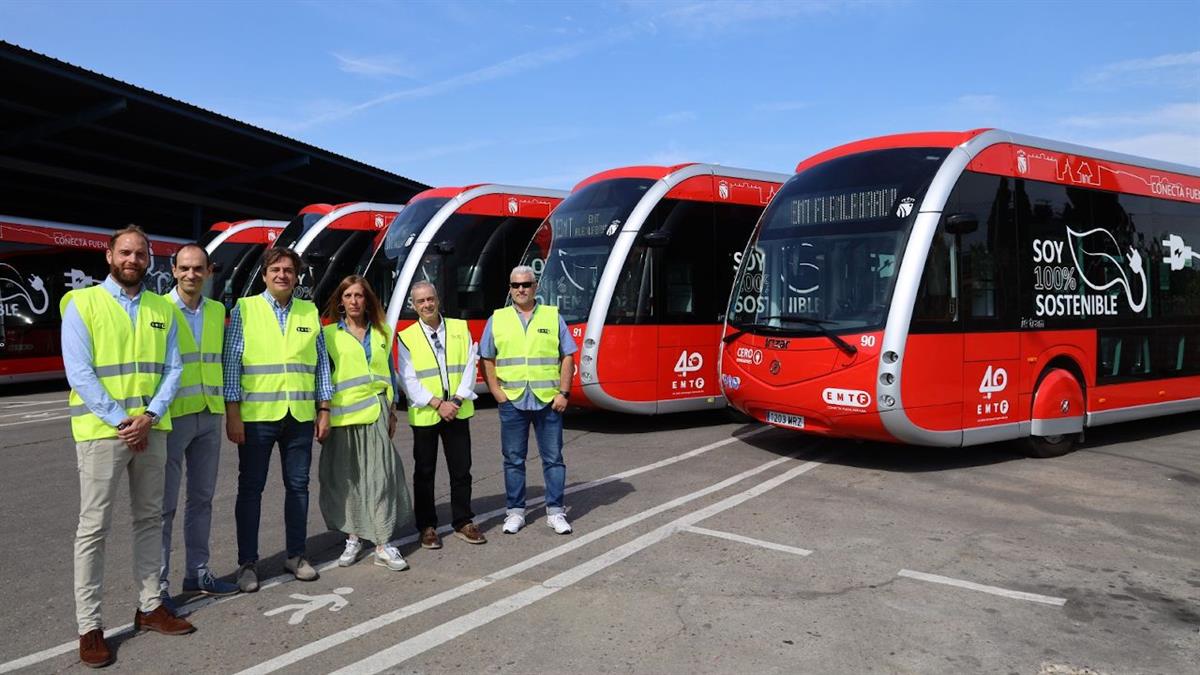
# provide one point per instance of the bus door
(979, 227)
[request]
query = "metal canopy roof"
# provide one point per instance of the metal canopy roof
(80, 147)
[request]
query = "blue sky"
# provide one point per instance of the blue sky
(547, 93)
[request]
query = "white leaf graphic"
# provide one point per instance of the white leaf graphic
(1099, 243)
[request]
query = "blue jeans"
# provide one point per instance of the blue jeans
(514, 444)
(295, 441)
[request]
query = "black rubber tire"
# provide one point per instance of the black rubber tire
(1043, 447)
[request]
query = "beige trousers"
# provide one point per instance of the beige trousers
(101, 464)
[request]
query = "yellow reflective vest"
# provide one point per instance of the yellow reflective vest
(279, 370)
(129, 357)
(458, 349)
(527, 355)
(200, 386)
(357, 384)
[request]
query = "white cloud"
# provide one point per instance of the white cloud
(722, 14)
(977, 102)
(1174, 116)
(1179, 147)
(502, 69)
(1182, 70)
(674, 118)
(375, 66)
(433, 152)
(780, 106)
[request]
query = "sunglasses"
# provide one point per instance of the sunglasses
(520, 284)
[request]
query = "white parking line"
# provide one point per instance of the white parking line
(747, 540)
(38, 420)
(191, 607)
(33, 414)
(994, 590)
(430, 639)
(26, 404)
(394, 616)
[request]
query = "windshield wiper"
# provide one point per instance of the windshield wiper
(766, 327)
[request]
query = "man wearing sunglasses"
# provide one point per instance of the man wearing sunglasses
(527, 357)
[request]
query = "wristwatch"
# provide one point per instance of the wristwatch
(457, 400)
(565, 394)
(152, 416)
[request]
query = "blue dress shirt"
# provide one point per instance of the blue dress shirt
(81, 372)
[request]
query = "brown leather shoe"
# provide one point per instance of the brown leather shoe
(470, 534)
(430, 538)
(93, 650)
(162, 621)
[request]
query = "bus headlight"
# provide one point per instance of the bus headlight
(587, 359)
(890, 357)
(589, 343)
(888, 379)
(888, 400)
(586, 376)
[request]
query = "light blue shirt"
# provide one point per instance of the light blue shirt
(194, 318)
(81, 371)
(566, 347)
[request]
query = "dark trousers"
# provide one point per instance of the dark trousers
(295, 441)
(456, 443)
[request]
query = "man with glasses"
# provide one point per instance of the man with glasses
(528, 358)
(437, 364)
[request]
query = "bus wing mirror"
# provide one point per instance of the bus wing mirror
(656, 239)
(962, 223)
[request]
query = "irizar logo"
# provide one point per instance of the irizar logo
(513, 206)
(612, 228)
(905, 207)
(1022, 162)
(723, 190)
(852, 398)
(379, 221)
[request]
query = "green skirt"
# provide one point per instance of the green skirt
(362, 482)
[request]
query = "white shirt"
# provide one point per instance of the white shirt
(416, 392)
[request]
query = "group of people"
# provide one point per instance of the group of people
(152, 376)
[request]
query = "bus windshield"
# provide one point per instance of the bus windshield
(571, 247)
(288, 238)
(385, 266)
(825, 254)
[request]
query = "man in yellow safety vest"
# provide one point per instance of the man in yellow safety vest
(196, 412)
(277, 391)
(121, 356)
(437, 365)
(527, 360)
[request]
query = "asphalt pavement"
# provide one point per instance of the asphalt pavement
(702, 544)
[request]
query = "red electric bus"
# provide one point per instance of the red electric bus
(464, 240)
(41, 261)
(234, 249)
(639, 261)
(951, 289)
(330, 240)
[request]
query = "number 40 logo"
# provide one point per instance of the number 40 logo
(994, 381)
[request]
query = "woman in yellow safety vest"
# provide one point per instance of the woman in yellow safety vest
(363, 492)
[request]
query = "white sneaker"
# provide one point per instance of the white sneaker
(559, 522)
(389, 556)
(513, 522)
(350, 555)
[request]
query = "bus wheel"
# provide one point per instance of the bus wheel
(1057, 416)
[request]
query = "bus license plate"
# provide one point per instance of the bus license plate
(785, 420)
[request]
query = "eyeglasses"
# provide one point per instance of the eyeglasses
(520, 284)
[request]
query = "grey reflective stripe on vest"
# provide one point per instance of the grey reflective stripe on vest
(199, 390)
(131, 402)
(145, 367)
(516, 361)
(429, 372)
(538, 384)
(542, 361)
(352, 382)
(354, 407)
(278, 369)
(273, 396)
(206, 357)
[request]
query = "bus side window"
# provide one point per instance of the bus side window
(987, 255)
(936, 302)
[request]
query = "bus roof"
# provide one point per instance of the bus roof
(650, 171)
(924, 139)
(448, 192)
(246, 232)
(33, 231)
